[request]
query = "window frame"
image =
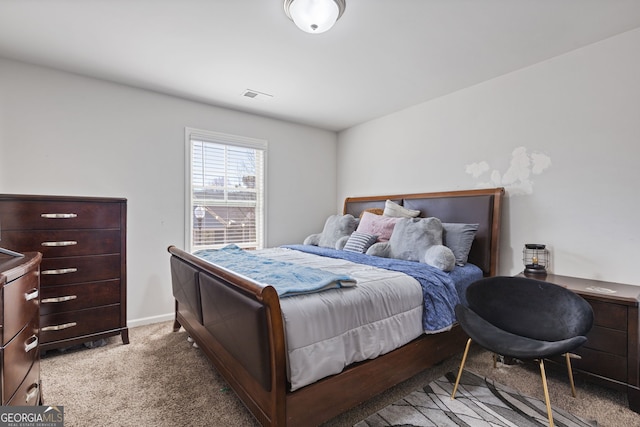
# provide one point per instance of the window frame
(192, 134)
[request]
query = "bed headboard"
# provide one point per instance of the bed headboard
(481, 207)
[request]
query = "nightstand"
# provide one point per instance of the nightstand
(611, 355)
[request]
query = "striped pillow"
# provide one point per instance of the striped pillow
(360, 242)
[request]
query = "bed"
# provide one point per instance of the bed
(239, 324)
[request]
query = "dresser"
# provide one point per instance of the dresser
(83, 272)
(611, 355)
(20, 353)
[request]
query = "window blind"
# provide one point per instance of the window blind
(226, 190)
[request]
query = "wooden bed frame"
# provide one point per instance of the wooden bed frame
(238, 323)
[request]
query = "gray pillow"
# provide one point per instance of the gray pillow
(380, 249)
(441, 257)
(336, 232)
(416, 239)
(412, 237)
(459, 237)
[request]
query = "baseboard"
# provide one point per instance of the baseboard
(150, 320)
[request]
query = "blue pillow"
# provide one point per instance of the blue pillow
(360, 242)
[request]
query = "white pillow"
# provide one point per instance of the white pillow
(395, 210)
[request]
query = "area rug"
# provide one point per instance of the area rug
(479, 402)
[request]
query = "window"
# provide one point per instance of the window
(225, 194)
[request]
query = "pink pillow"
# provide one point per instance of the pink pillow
(381, 226)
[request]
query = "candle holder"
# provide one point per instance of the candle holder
(535, 258)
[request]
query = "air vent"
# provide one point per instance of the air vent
(254, 94)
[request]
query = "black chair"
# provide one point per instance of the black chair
(526, 319)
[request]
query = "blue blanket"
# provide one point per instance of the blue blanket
(288, 279)
(438, 287)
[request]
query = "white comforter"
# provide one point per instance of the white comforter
(328, 330)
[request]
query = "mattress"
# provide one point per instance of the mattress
(328, 330)
(392, 303)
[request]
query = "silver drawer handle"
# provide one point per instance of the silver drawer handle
(60, 271)
(65, 243)
(31, 393)
(31, 343)
(58, 299)
(58, 327)
(33, 294)
(58, 215)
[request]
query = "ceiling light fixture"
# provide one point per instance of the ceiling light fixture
(314, 16)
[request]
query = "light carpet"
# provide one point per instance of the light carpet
(160, 379)
(479, 402)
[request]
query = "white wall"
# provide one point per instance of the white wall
(65, 134)
(70, 135)
(573, 185)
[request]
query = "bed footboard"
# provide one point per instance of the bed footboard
(238, 324)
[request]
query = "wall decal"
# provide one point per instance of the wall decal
(517, 179)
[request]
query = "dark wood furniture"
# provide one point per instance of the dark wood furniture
(611, 356)
(20, 353)
(83, 278)
(238, 323)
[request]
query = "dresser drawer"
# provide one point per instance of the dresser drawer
(607, 340)
(20, 304)
(19, 355)
(609, 315)
(43, 215)
(58, 299)
(68, 270)
(601, 363)
(64, 243)
(28, 394)
(71, 324)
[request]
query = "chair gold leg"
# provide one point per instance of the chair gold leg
(546, 393)
(464, 359)
(495, 361)
(573, 387)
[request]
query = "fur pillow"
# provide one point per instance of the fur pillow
(381, 226)
(441, 257)
(336, 232)
(417, 239)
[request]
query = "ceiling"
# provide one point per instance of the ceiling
(380, 57)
